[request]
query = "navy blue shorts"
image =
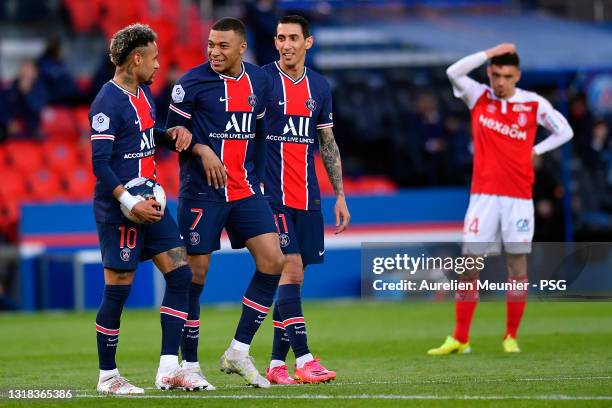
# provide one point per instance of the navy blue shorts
(201, 222)
(300, 232)
(125, 244)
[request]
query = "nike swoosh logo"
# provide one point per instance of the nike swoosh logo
(299, 327)
(261, 317)
(222, 99)
(321, 252)
(281, 103)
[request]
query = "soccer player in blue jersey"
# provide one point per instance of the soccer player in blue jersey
(298, 115)
(223, 102)
(124, 139)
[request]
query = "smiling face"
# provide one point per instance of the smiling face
(225, 50)
(291, 44)
(503, 79)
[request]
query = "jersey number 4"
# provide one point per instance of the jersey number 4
(473, 226)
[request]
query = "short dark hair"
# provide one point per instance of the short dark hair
(230, 24)
(129, 39)
(296, 19)
(506, 59)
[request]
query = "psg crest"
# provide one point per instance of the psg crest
(194, 238)
(311, 104)
(284, 240)
(252, 100)
(125, 254)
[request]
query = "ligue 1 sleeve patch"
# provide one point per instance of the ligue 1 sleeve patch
(100, 122)
(178, 94)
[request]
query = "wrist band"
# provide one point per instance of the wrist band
(128, 200)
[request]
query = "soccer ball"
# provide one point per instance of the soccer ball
(143, 189)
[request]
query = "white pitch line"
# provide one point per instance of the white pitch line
(451, 380)
(371, 397)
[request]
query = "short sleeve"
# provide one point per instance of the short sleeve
(326, 116)
(103, 121)
(182, 104)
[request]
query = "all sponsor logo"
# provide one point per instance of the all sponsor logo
(240, 124)
(299, 127)
(284, 240)
(491, 108)
(125, 254)
(194, 238)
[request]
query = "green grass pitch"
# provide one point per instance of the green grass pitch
(378, 350)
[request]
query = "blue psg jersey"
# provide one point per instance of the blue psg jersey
(224, 113)
(122, 137)
(297, 109)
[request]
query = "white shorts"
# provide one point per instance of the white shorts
(491, 219)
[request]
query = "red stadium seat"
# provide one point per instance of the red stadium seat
(81, 120)
(25, 156)
(58, 123)
(45, 186)
(84, 15)
(13, 186)
(79, 182)
(3, 162)
(59, 155)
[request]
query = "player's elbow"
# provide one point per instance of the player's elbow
(451, 72)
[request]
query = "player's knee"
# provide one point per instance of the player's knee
(293, 270)
(116, 277)
(199, 267)
(272, 264)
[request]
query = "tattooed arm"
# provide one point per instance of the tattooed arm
(330, 154)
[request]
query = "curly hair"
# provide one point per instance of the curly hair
(129, 39)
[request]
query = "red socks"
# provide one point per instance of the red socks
(465, 304)
(515, 305)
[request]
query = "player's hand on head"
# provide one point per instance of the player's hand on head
(501, 49)
(342, 215)
(181, 135)
(148, 211)
(214, 168)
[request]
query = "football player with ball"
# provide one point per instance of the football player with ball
(129, 209)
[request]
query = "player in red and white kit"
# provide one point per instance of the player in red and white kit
(504, 124)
